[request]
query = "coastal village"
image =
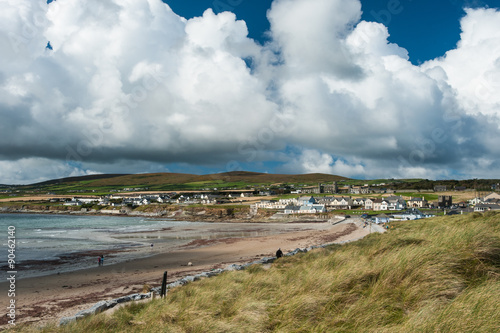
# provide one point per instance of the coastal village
(379, 202)
(306, 217)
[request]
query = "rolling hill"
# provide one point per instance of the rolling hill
(180, 181)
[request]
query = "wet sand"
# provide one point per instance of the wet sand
(48, 298)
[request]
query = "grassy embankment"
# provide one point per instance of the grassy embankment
(436, 275)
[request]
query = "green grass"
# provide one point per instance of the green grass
(435, 275)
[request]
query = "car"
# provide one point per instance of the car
(347, 216)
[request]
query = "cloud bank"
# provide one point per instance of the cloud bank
(130, 86)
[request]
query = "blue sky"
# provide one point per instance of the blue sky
(426, 28)
(370, 89)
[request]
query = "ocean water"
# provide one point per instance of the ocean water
(50, 238)
(46, 244)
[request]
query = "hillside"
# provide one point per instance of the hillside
(229, 177)
(77, 179)
(436, 275)
(178, 181)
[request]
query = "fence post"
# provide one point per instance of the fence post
(163, 292)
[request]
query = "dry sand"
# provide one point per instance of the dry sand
(48, 298)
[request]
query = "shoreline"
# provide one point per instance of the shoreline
(136, 244)
(51, 297)
(181, 214)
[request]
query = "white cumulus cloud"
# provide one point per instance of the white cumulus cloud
(132, 83)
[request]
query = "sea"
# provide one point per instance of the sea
(48, 244)
(44, 243)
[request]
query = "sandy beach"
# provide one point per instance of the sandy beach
(48, 298)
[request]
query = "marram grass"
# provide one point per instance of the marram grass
(435, 275)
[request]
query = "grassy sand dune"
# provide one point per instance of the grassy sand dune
(436, 275)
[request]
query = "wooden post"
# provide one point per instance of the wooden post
(163, 291)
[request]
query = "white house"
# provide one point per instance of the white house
(312, 209)
(272, 204)
(369, 204)
(291, 209)
(411, 214)
(377, 204)
(382, 218)
(360, 202)
(87, 200)
(306, 209)
(395, 203)
(417, 202)
(475, 201)
(486, 207)
(342, 203)
(289, 201)
(73, 203)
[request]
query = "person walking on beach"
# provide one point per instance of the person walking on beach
(102, 260)
(279, 253)
(99, 261)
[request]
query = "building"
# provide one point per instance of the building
(321, 188)
(311, 190)
(73, 203)
(307, 209)
(475, 201)
(384, 205)
(412, 214)
(486, 207)
(306, 201)
(331, 188)
(440, 188)
(395, 203)
(87, 200)
(492, 196)
(369, 204)
(377, 204)
(417, 202)
(382, 218)
(360, 190)
(445, 201)
(359, 202)
(492, 201)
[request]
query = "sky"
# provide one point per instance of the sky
(362, 89)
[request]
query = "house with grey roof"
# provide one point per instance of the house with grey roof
(395, 203)
(486, 207)
(306, 201)
(305, 209)
(418, 202)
